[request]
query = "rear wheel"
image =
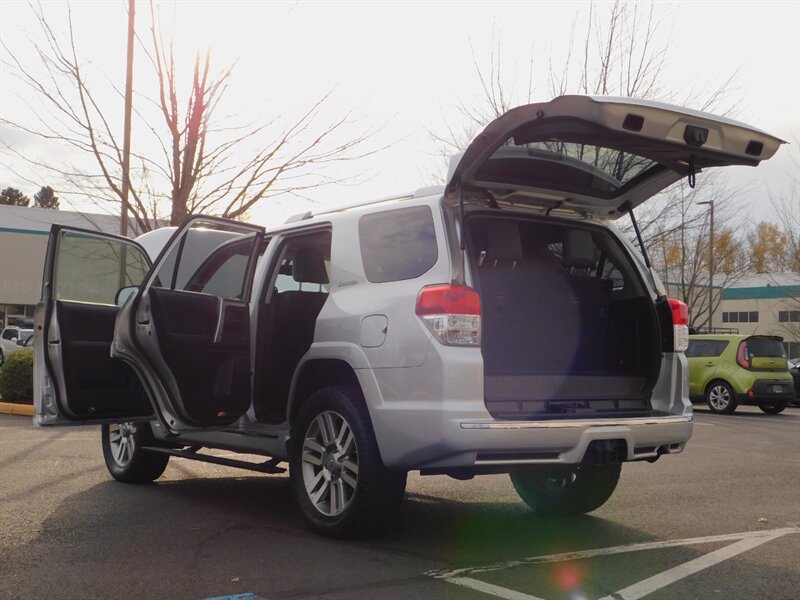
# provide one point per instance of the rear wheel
(571, 490)
(773, 408)
(337, 474)
(125, 456)
(720, 398)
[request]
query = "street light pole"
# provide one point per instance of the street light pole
(126, 143)
(710, 266)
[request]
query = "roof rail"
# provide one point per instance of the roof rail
(309, 214)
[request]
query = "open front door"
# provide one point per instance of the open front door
(187, 330)
(75, 379)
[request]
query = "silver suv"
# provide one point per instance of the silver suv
(498, 325)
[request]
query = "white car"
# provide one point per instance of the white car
(9, 338)
(501, 324)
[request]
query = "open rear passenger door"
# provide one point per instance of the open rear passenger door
(187, 330)
(75, 379)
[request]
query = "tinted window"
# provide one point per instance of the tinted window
(92, 269)
(213, 259)
(764, 347)
(397, 244)
(706, 347)
(9, 334)
(563, 165)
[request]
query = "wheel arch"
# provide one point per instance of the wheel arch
(318, 373)
(714, 380)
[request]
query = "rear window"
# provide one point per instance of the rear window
(706, 348)
(566, 166)
(397, 244)
(766, 348)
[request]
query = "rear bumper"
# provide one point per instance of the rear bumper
(434, 417)
(445, 439)
(768, 390)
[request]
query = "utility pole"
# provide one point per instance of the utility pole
(710, 266)
(126, 144)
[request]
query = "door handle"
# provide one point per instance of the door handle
(709, 364)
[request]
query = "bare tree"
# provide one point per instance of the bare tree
(678, 239)
(200, 168)
(620, 50)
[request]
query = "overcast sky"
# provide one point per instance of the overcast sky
(403, 67)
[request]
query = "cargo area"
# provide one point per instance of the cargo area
(568, 328)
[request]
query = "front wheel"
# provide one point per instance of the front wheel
(772, 408)
(337, 474)
(570, 490)
(721, 398)
(125, 456)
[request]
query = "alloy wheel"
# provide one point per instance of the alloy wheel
(719, 397)
(330, 463)
(122, 443)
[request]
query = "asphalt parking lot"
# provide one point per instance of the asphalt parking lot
(722, 520)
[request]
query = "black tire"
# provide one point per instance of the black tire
(721, 398)
(2, 358)
(773, 408)
(562, 491)
(134, 465)
(368, 506)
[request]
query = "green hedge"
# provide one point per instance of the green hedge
(16, 377)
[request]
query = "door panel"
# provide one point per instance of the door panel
(75, 379)
(211, 368)
(187, 331)
(98, 385)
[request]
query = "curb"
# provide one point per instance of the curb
(9, 408)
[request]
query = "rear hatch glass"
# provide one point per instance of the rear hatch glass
(765, 348)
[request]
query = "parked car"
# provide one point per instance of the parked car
(8, 340)
(794, 370)
(728, 370)
(500, 324)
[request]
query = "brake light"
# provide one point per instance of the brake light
(680, 325)
(743, 356)
(452, 313)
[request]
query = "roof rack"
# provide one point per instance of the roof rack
(419, 193)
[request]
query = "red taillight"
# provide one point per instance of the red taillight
(680, 325)
(448, 300)
(680, 312)
(452, 313)
(742, 357)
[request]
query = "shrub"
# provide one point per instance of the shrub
(16, 377)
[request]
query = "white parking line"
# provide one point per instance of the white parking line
(650, 585)
(494, 590)
(743, 541)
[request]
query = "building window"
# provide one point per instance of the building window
(740, 317)
(789, 316)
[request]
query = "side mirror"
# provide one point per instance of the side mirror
(123, 294)
(20, 342)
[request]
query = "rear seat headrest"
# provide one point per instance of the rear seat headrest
(579, 249)
(308, 265)
(503, 243)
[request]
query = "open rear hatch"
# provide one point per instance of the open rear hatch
(600, 155)
(569, 327)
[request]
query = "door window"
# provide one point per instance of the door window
(93, 269)
(212, 258)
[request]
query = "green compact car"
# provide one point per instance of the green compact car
(728, 370)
